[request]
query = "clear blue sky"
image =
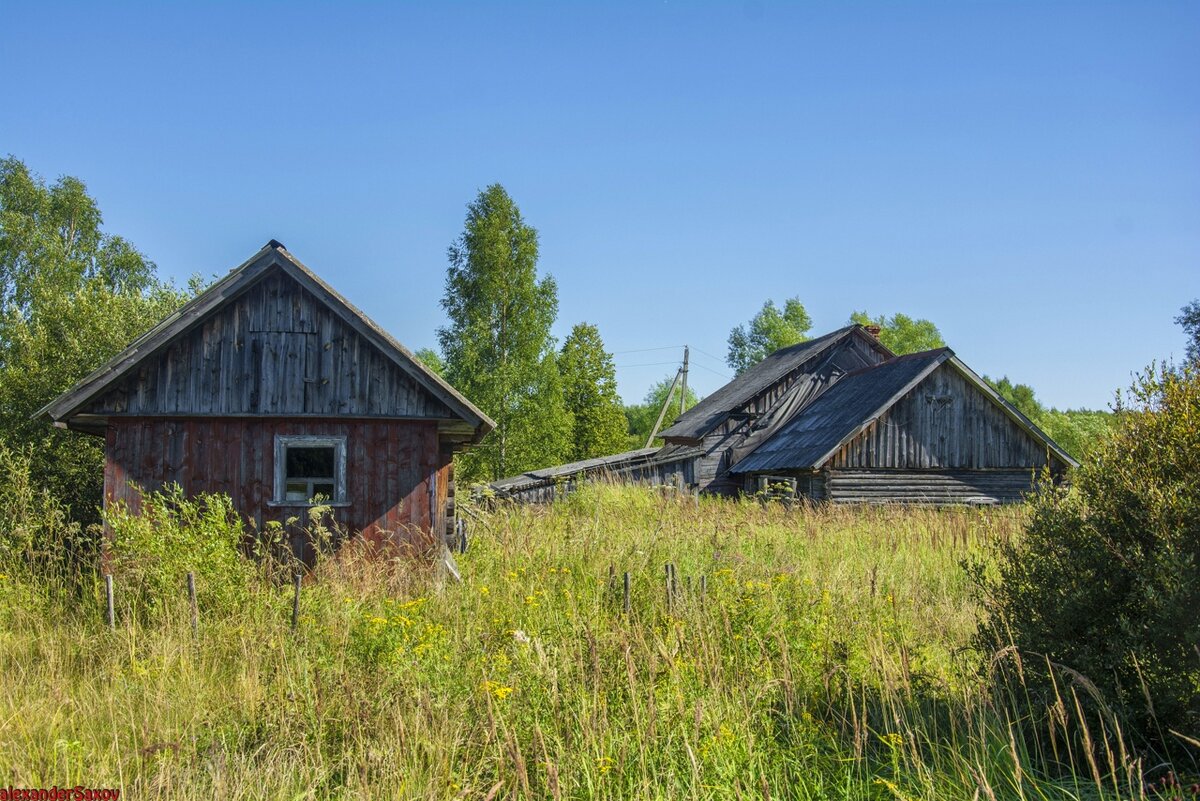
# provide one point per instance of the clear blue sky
(1027, 175)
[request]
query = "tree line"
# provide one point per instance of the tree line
(73, 295)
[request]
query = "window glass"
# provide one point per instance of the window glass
(310, 462)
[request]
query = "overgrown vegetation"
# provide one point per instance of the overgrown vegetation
(828, 656)
(1105, 580)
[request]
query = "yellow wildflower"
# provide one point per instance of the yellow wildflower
(497, 690)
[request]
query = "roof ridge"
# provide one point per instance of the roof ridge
(904, 357)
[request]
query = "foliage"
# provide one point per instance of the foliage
(589, 381)
(152, 550)
(497, 347)
(1105, 580)
(431, 359)
(1189, 321)
(71, 297)
(34, 526)
(767, 332)
(1077, 431)
(826, 658)
(902, 334)
(640, 417)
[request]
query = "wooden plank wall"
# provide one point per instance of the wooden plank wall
(943, 423)
(929, 486)
(397, 477)
(275, 351)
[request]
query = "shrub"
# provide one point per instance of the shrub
(153, 551)
(1103, 584)
(35, 532)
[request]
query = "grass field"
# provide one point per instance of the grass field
(828, 657)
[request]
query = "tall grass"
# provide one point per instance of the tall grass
(827, 658)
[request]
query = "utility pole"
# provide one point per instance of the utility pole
(663, 412)
(683, 394)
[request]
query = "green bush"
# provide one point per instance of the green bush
(1102, 587)
(152, 551)
(35, 532)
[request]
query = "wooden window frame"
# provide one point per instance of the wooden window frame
(283, 441)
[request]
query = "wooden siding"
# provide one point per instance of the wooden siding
(276, 350)
(943, 423)
(397, 477)
(929, 486)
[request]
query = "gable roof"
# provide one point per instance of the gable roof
(717, 407)
(272, 256)
(860, 398)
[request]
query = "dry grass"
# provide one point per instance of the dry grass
(828, 658)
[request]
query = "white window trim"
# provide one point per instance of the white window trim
(282, 441)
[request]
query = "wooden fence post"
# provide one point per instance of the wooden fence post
(296, 602)
(627, 603)
(191, 588)
(108, 593)
(670, 593)
(461, 525)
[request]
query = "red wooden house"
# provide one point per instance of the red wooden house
(270, 387)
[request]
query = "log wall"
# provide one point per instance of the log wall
(929, 486)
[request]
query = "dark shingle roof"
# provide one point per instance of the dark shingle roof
(714, 409)
(843, 409)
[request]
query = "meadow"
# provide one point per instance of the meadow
(806, 653)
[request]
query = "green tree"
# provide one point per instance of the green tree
(1077, 431)
(497, 347)
(902, 334)
(589, 381)
(431, 359)
(767, 332)
(1104, 582)
(1189, 321)
(1020, 395)
(640, 417)
(71, 297)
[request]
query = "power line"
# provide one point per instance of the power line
(709, 355)
(647, 350)
(709, 369)
(648, 364)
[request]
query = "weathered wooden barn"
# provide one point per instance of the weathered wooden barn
(270, 387)
(839, 418)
